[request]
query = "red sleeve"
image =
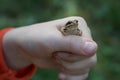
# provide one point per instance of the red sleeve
(9, 74)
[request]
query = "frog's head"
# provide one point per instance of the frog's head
(75, 22)
(72, 23)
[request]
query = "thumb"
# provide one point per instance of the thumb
(78, 46)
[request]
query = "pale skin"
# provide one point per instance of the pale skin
(45, 46)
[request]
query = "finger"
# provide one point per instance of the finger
(63, 76)
(75, 71)
(78, 65)
(77, 45)
(68, 57)
(82, 25)
(44, 63)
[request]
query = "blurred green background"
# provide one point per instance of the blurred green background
(102, 16)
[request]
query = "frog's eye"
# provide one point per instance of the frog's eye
(69, 22)
(76, 21)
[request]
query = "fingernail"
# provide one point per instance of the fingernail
(90, 48)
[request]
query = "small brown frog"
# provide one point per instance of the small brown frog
(71, 28)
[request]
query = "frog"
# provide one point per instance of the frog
(71, 28)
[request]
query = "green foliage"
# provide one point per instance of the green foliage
(102, 16)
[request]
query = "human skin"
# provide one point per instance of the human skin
(45, 46)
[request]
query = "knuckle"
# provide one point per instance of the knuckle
(68, 66)
(81, 19)
(78, 18)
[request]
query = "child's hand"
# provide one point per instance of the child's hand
(40, 43)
